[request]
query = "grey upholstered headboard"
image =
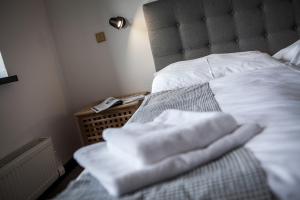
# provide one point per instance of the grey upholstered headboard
(186, 29)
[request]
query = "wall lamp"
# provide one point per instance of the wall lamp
(117, 22)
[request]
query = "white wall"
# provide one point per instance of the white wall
(123, 64)
(36, 105)
(58, 75)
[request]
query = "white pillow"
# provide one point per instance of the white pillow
(226, 64)
(290, 54)
(201, 70)
(182, 74)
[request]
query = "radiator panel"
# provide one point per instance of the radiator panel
(28, 172)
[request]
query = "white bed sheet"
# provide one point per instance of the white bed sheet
(270, 97)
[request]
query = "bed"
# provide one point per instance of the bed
(181, 30)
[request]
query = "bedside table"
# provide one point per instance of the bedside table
(92, 124)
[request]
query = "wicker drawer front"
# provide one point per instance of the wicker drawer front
(92, 125)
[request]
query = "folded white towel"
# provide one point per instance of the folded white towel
(170, 133)
(120, 177)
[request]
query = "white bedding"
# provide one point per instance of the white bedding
(290, 54)
(201, 70)
(270, 97)
(253, 88)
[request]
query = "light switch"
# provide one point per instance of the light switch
(100, 37)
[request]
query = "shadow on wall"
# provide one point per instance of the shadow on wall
(129, 47)
(138, 42)
(37, 105)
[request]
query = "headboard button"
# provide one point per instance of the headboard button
(231, 12)
(236, 40)
(265, 34)
(260, 6)
(295, 27)
(203, 18)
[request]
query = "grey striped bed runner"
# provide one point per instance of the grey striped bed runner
(196, 98)
(237, 175)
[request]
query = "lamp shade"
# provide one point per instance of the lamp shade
(117, 22)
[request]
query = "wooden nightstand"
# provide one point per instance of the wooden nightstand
(92, 124)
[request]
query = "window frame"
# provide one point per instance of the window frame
(7, 79)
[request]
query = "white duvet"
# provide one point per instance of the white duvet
(270, 97)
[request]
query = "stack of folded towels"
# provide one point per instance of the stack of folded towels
(139, 155)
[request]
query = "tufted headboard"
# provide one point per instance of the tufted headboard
(186, 29)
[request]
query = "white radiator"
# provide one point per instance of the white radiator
(28, 172)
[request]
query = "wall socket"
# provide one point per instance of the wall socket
(100, 37)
